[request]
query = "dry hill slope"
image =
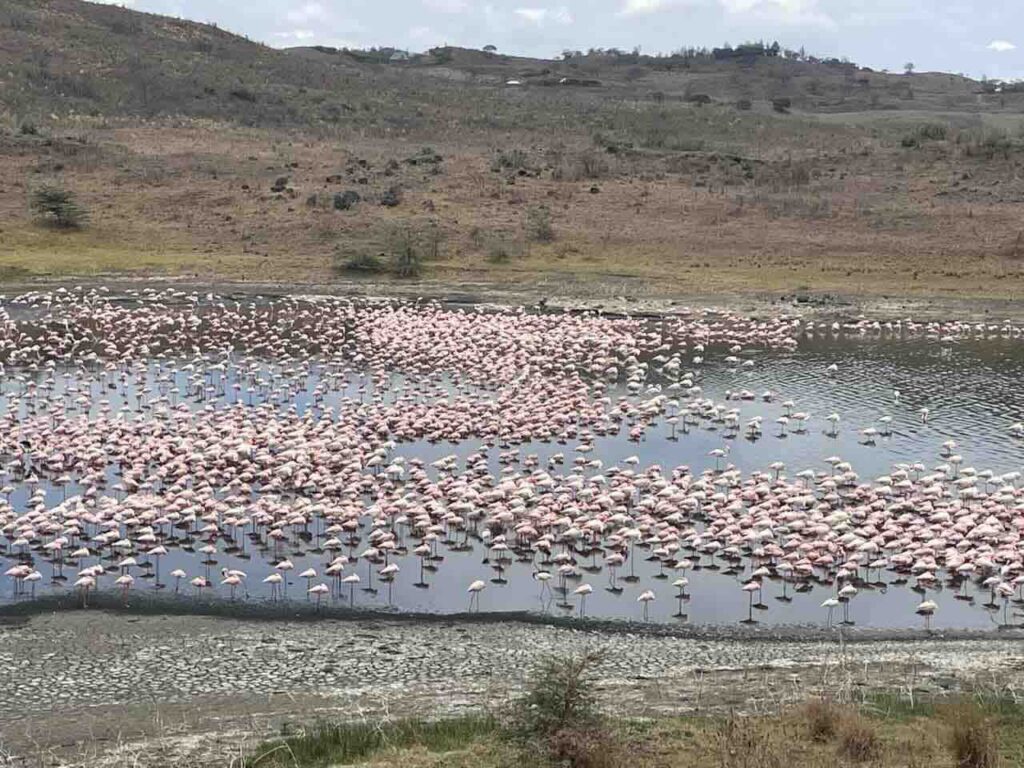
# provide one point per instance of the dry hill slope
(201, 154)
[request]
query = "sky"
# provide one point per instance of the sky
(977, 37)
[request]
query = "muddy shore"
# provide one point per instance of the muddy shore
(184, 605)
(621, 295)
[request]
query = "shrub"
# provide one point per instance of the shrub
(513, 160)
(406, 251)
(986, 143)
(557, 720)
(581, 165)
(345, 201)
(857, 739)
(926, 132)
(499, 245)
(973, 741)
(538, 224)
(740, 742)
(391, 197)
(822, 719)
(933, 132)
(58, 207)
(410, 243)
(366, 262)
(560, 697)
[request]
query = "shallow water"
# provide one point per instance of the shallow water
(971, 388)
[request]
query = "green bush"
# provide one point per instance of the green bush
(365, 262)
(560, 696)
(924, 133)
(538, 224)
(933, 132)
(512, 160)
(58, 207)
(557, 720)
(410, 243)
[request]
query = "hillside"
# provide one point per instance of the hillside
(200, 153)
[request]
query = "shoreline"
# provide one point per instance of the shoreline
(639, 299)
(181, 605)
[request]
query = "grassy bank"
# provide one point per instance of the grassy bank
(556, 722)
(890, 732)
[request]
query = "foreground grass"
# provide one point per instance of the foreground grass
(346, 743)
(885, 731)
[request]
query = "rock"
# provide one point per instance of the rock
(280, 184)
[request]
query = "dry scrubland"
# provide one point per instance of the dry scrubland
(204, 156)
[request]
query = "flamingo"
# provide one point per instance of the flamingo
(927, 609)
(319, 590)
(583, 590)
(474, 593)
(646, 598)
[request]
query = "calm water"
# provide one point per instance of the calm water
(971, 388)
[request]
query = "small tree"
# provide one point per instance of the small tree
(58, 207)
(406, 252)
(557, 722)
(538, 224)
(909, 67)
(560, 695)
(412, 242)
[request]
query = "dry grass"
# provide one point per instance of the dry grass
(858, 738)
(973, 736)
(822, 717)
(963, 734)
(889, 221)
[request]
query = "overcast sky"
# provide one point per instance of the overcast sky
(972, 36)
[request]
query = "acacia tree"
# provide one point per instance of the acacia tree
(58, 207)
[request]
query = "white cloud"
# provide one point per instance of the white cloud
(1001, 46)
(447, 6)
(781, 11)
(538, 16)
(122, 3)
(778, 11)
(296, 34)
(637, 7)
(307, 12)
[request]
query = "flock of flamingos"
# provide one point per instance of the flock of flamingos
(163, 423)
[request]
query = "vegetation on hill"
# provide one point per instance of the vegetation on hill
(198, 152)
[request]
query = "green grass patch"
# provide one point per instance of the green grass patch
(327, 743)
